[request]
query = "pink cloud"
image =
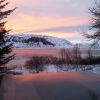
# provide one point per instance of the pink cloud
(38, 15)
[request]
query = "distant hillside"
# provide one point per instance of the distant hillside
(36, 41)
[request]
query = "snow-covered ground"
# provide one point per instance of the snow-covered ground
(96, 69)
(53, 68)
(25, 41)
(20, 41)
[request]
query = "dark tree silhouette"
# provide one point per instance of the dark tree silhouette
(36, 64)
(5, 47)
(95, 22)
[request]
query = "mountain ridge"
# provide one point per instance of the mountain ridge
(38, 41)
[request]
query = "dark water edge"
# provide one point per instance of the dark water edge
(2, 91)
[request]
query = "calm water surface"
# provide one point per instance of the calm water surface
(22, 55)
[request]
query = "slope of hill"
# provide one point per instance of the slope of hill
(37, 41)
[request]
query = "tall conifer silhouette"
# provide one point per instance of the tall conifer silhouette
(5, 47)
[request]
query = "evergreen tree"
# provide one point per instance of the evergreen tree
(95, 24)
(5, 47)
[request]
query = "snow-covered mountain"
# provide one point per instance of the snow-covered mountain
(38, 41)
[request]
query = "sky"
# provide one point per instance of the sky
(66, 19)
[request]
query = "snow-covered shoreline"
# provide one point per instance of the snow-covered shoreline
(53, 68)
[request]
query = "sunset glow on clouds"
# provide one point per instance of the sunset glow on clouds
(59, 18)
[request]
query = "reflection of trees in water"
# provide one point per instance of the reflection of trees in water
(2, 89)
(93, 95)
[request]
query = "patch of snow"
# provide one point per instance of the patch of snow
(17, 41)
(96, 69)
(53, 68)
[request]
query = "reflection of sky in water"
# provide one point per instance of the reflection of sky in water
(22, 55)
(20, 60)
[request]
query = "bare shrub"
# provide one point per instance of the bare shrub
(66, 56)
(71, 58)
(36, 64)
(65, 59)
(90, 57)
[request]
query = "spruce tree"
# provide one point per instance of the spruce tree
(95, 22)
(5, 46)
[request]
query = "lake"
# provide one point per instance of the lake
(30, 52)
(52, 86)
(22, 55)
